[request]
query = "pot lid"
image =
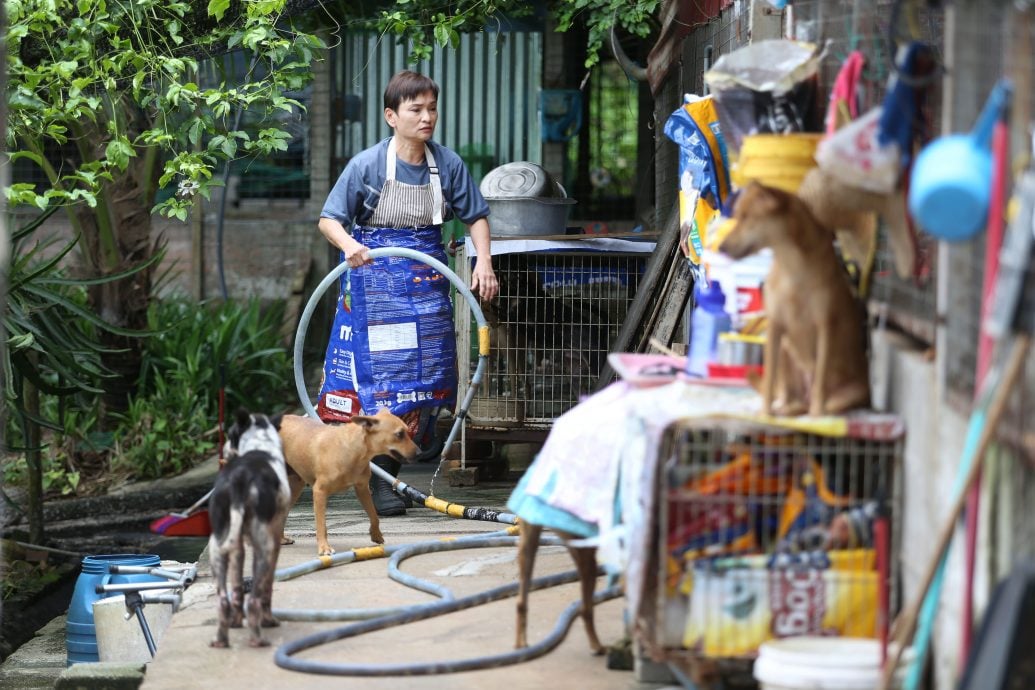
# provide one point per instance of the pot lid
(520, 179)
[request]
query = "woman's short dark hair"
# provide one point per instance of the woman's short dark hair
(407, 86)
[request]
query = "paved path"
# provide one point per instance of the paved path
(185, 660)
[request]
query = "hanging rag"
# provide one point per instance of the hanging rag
(844, 101)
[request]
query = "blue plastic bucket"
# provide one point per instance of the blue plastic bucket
(80, 634)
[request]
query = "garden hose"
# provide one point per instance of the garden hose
(368, 553)
(400, 487)
(396, 554)
(447, 604)
(380, 618)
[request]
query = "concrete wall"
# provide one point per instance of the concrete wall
(905, 381)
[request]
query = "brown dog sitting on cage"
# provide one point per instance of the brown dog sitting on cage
(815, 357)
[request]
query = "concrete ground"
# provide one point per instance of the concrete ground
(185, 659)
(184, 656)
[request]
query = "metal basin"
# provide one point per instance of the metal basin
(524, 199)
(529, 216)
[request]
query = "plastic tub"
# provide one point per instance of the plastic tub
(80, 633)
(819, 663)
(776, 160)
(794, 145)
(121, 639)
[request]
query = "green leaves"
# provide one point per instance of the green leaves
(47, 314)
(422, 23)
(633, 16)
(119, 151)
(129, 70)
(164, 430)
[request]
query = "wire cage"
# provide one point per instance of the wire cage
(765, 533)
(552, 326)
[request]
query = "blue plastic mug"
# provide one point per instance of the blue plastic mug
(950, 184)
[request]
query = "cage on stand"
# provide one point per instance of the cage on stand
(768, 532)
(560, 306)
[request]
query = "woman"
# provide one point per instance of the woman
(393, 343)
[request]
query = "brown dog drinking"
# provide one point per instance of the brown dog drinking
(332, 458)
(815, 352)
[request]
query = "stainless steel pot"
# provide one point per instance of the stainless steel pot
(525, 200)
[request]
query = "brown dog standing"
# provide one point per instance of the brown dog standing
(815, 343)
(585, 563)
(332, 458)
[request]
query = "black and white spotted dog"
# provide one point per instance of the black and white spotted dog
(249, 504)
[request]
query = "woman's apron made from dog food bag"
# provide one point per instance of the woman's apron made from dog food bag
(393, 343)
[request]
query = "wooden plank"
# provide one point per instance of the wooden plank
(652, 286)
(672, 305)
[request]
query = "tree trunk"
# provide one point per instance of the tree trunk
(113, 242)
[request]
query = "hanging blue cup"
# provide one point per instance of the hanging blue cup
(951, 181)
(80, 634)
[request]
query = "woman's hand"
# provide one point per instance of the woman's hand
(483, 280)
(357, 255)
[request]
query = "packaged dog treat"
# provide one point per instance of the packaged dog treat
(703, 171)
(767, 87)
(737, 604)
(808, 509)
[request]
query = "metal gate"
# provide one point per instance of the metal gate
(488, 101)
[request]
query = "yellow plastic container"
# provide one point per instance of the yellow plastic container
(794, 145)
(777, 160)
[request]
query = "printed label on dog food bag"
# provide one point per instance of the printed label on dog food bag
(338, 403)
(393, 336)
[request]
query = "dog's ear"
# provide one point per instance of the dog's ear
(366, 421)
(243, 418)
(276, 420)
(758, 199)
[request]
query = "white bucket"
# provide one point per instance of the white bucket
(821, 663)
(121, 639)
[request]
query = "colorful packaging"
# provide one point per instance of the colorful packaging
(704, 180)
(736, 604)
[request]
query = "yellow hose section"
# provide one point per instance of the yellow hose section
(483, 341)
(451, 509)
(326, 562)
(369, 552)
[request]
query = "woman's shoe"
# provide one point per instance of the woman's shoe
(386, 501)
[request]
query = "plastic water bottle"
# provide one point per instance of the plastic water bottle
(709, 319)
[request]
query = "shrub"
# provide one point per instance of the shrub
(172, 419)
